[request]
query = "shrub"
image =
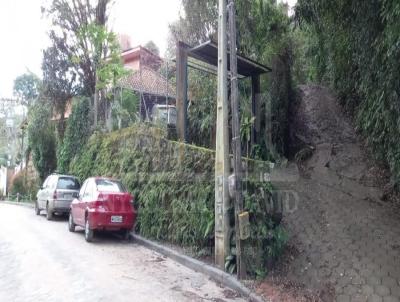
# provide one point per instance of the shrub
(25, 186)
(76, 134)
(41, 139)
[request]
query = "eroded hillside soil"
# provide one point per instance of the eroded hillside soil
(344, 238)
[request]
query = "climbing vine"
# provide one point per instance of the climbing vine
(76, 134)
(174, 188)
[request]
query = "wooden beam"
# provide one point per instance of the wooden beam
(181, 90)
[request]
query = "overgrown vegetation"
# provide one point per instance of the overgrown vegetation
(353, 47)
(125, 110)
(174, 188)
(27, 87)
(76, 134)
(42, 141)
(26, 187)
(264, 34)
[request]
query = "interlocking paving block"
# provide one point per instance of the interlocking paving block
(372, 280)
(351, 290)
(389, 281)
(359, 298)
(367, 290)
(343, 298)
(391, 299)
(395, 291)
(374, 298)
(382, 290)
(380, 273)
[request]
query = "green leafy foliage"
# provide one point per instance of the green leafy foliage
(125, 108)
(27, 88)
(152, 47)
(174, 205)
(105, 53)
(42, 141)
(71, 21)
(202, 113)
(76, 134)
(173, 184)
(268, 237)
(264, 34)
(355, 49)
(26, 187)
(84, 56)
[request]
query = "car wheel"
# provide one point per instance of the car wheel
(49, 213)
(88, 232)
(71, 224)
(126, 234)
(37, 210)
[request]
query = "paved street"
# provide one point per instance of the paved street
(41, 261)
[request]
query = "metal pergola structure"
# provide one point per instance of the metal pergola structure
(207, 54)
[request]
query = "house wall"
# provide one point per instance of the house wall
(134, 64)
(141, 57)
(3, 181)
(6, 174)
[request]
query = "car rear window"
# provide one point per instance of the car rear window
(68, 183)
(108, 185)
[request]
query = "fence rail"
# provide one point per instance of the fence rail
(20, 197)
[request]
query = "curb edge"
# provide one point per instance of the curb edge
(23, 204)
(198, 266)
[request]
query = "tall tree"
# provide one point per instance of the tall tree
(27, 88)
(199, 22)
(69, 19)
(41, 140)
(59, 83)
(80, 35)
(152, 47)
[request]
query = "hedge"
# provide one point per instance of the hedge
(173, 184)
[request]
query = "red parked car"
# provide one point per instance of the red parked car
(103, 204)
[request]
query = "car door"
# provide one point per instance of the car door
(76, 206)
(41, 194)
(89, 194)
(51, 187)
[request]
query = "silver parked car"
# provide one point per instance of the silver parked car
(56, 194)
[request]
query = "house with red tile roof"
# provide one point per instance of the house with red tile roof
(147, 80)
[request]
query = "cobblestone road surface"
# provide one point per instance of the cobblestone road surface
(41, 261)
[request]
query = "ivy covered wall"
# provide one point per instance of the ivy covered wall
(174, 187)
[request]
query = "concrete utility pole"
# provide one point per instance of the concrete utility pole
(222, 146)
(236, 143)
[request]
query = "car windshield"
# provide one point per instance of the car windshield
(68, 183)
(108, 185)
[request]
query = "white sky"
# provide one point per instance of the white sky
(23, 31)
